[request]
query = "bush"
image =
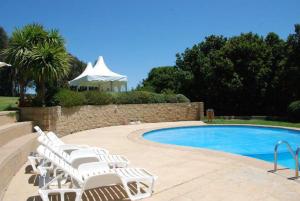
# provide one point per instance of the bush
(158, 98)
(98, 98)
(68, 98)
(134, 97)
(294, 111)
(176, 98)
(182, 99)
(139, 97)
(170, 98)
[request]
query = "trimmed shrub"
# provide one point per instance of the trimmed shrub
(176, 98)
(157, 98)
(68, 98)
(182, 99)
(170, 98)
(98, 98)
(139, 97)
(294, 111)
(144, 97)
(134, 97)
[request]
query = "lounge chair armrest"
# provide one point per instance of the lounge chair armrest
(77, 161)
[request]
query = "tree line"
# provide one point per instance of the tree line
(246, 74)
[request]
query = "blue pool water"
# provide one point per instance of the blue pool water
(252, 141)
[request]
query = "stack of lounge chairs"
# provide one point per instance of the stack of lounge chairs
(68, 168)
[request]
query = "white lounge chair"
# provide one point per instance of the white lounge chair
(66, 147)
(81, 156)
(34, 159)
(93, 175)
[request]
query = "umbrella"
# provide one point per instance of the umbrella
(2, 64)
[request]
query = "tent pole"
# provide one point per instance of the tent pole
(111, 86)
(126, 87)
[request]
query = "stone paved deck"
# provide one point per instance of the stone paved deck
(184, 174)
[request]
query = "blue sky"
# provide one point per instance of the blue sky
(137, 35)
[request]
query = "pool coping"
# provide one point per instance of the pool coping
(137, 136)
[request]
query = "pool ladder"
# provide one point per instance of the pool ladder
(295, 156)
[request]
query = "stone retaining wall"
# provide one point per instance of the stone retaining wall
(8, 117)
(74, 119)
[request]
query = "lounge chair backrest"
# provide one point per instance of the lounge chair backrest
(39, 131)
(50, 145)
(60, 163)
(52, 136)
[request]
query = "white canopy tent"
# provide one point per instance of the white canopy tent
(101, 77)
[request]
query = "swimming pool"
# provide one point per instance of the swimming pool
(252, 141)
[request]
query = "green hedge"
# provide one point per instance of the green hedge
(68, 98)
(139, 97)
(294, 111)
(178, 98)
(98, 98)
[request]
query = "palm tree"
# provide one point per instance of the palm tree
(49, 63)
(17, 53)
(37, 54)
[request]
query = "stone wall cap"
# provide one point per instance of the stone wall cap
(58, 106)
(4, 113)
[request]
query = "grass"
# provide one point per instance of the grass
(256, 122)
(8, 103)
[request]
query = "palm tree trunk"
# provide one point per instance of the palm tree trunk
(13, 85)
(13, 88)
(22, 93)
(43, 92)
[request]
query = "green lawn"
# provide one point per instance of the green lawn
(8, 103)
(257, 122)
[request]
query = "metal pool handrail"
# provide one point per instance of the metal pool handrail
(297, 161)
(295, 156)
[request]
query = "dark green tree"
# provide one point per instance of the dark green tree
(166, 79)
(195, 60)
(250, 57)
(6, 73)
(76, 67)
(275, 99)
(3, 41)
(292, 70)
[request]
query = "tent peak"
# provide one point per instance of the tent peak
(101, 68)
(100, 62)
(100, 58)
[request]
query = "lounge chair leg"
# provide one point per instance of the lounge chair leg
(44, 195)
(34, 162)
(62, 196)
(78, 196)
